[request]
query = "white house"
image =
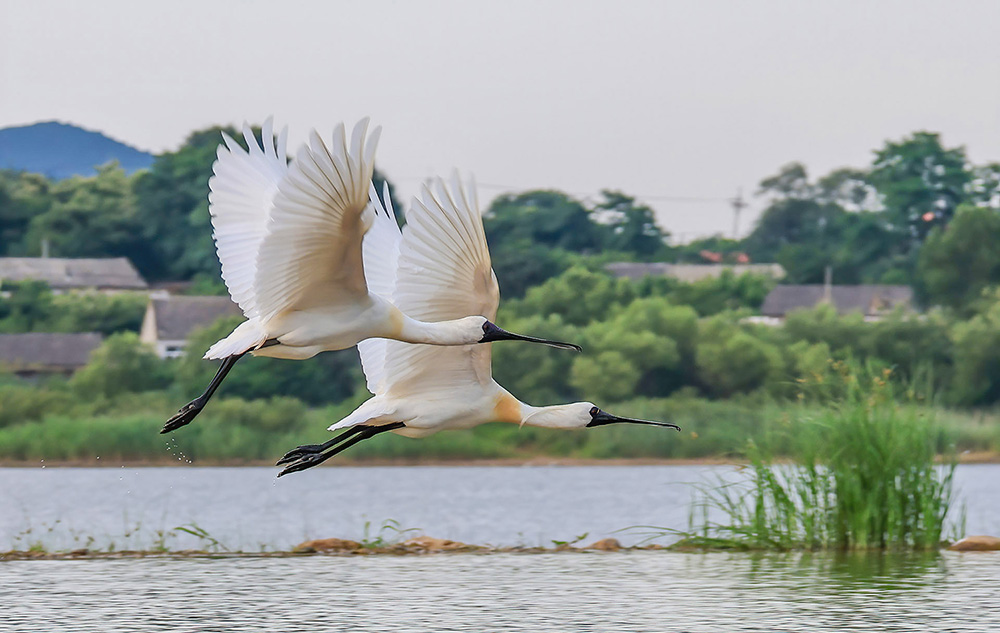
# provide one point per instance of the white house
(169, 321)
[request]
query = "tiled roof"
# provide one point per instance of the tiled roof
(111, 273)
(176, 316)
(690, 272)
(870, 299)
(40, 350)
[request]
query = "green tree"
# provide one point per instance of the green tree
(790, 183)
(120, 365)
(89, 217)
(607, 376)
(534, 373)
(23, 196)
(851, 189)
(959, 261)
(984, 189)
(549, 218)
(173, 208)
(790, 224)
(834, 222)
(656, 337)
(732, 361)
(844, 335)
(578, 296)
(691, 253)
(633, 227)
(916, 347)
(327, 378)
(976, 379)
(97, 312)
(921, 182)
(521, 264)
(533, 236)
(712, 295)
(26, 307)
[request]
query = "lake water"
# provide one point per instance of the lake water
(249, 509)
(246, 508)
(612, 592)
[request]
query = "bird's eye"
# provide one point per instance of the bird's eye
(594, 411)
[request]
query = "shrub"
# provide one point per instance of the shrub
(121, 364)
(20, 403)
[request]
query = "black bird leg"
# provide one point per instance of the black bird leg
(193, 408)
(312, 449)
(315, 459)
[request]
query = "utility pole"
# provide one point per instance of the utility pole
(738, 205)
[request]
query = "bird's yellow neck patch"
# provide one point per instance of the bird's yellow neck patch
(506, 408)
(395, 322)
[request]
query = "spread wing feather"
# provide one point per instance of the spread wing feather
(380, 251)
(241, 195)
(444, 272)
(311, 248)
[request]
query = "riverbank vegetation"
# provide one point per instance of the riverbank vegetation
(862, 473)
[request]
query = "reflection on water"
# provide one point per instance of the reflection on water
(247, 508)
(634, 591)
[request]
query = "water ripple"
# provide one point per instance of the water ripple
(636, 591)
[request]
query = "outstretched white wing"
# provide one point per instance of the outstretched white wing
(241, 196)
(444, 272)
(311, 249)
(380, 251)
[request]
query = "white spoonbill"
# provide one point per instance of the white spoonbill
(418, 389)
(289, 237)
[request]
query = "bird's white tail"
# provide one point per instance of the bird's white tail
(247, 335)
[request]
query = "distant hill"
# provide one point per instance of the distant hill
(59, 150)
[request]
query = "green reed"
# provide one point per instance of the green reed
(863, 474)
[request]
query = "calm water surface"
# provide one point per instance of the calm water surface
(249, 509)
(246, 508)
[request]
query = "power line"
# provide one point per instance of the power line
(738, 205)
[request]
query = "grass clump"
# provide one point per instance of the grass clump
(863, 474)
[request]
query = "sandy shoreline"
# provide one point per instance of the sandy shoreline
(985, 457)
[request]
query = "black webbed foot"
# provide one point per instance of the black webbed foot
(300, 451)
(183, 416)
(311, 455)
(304, 462)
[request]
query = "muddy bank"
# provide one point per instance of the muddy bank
(420, 545)
(230, 463)
(983, 457)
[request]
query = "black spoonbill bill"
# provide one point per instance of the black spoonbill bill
(419, 389)
(289, 237)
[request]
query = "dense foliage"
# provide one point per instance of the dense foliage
(919, 214)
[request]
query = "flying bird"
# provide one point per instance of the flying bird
(418, 389)
(289, 237)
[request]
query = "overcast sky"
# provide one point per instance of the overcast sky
(662, 100)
